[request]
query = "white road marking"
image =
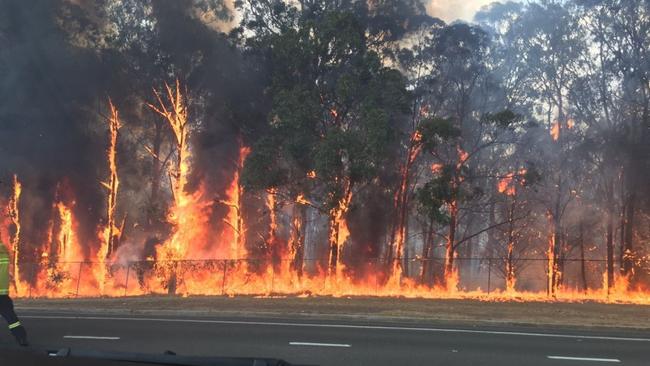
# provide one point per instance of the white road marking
(319, 344)
(583, 359)
(91, 337)
(341, 326)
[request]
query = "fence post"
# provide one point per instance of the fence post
(78, 279)
(32, 280)
(223, 279)
(126, 282)
(489, 275)
(377, 264)
(272, 278)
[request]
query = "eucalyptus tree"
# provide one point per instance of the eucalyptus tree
(335, 106)
(547, 46)
(462, 121)
(621, 33)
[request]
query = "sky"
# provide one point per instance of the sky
(450, 10)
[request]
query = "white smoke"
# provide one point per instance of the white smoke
(452, 10)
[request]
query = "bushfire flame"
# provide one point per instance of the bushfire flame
(195, 260)
(14, 214)
(508, 183)
(111, 232)
(555, 131)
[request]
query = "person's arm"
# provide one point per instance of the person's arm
(4, 273)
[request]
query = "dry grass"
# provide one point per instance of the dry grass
(592, 315)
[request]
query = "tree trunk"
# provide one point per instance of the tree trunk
(401, 204)
(621, 216)
(450, 249)
(628, 251)
(298, 238)
(491, 243)
(274, 249)
(427, 251)
(404, 236)
(553, 257)
(333, 243)
(510, 267)
(583, 270)
(559, 260)
(337, 216)
(156, 173)
(610, 248)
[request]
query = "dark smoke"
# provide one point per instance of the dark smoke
(49, 92)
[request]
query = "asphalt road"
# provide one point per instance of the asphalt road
(313, 342)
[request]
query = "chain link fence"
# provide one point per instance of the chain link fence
(266, 276)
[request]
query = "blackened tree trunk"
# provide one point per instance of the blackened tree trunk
(450, 246)
(396, 258)
(621, 247)
(337, 215)
(333, 244)
(583, 270)
(628, 251)
(156, 173)
(510, 266)
(610, 239)
(427, 253)
(298, 238)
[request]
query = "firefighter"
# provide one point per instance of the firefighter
(6, 305)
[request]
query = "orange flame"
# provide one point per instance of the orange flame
(508, 184)
(111, 231)
(190, 238)
(235, 219)
(189, 215)
(68, 247)
(176, 115)
(273, 225)
(570, 123)
(505, 185)
(436, 168)
(339, 233)
(14, 214)
(183, 213)
(551, 269)
(302, 200)
(462, 156)
(555, 131)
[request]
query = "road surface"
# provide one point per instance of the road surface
(313, 342)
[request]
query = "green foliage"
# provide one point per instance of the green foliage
(434, 195)
(435, 131)
(334, 106)
(262, 168)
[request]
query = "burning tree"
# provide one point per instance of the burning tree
(513, 233)
(559, 51)
(463, 128)
(111, 232)
(174, 111)
(14, 215)
(331, 119)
